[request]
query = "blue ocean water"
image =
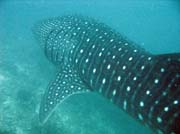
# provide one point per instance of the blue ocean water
(25, 72)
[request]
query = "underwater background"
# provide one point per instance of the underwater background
(25, 72)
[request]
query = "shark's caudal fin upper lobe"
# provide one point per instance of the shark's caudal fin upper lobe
(91, 56)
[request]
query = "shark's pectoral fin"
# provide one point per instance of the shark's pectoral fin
(66, 83)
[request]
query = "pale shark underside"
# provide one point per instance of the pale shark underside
(90, 56)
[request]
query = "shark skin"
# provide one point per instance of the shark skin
(90, 56)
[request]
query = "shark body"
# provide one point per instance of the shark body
(90, 56)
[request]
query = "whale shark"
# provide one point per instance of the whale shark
(90, 56)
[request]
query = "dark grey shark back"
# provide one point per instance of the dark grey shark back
(144, 85)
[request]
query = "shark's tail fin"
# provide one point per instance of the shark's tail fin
(171, 68)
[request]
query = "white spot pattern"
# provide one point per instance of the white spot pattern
(141, 104)
(118, 78)
(156, 81)
(140, 117)
(130, 58)
(114, 92)
(166, 109)
(87, 60)
(159, 120)
(123, 65)
(109, 66)
(94, 70)
(124, 104)
(135, 78)
(147, 92)
(175, 102)
(88, 40)
(103, 81)
(128, 88)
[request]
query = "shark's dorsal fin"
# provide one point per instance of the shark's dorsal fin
(66, 83)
